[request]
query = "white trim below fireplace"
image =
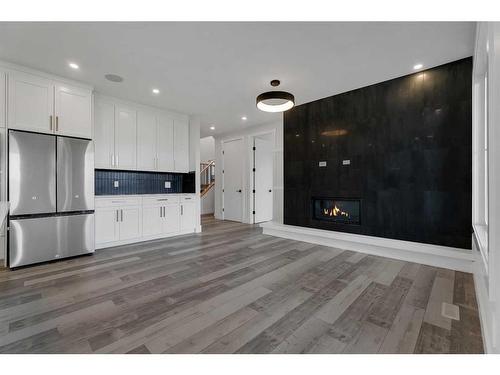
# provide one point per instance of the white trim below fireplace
(432, 255)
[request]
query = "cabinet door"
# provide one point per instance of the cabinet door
(30, 103)
(130, 223)
(73, 111)
(3, 87)
(104, 134)
(106, 225)
(171, 220)
(125, 138)
(152, 220)
(165, 144)
(146, 141)
(181, 146)
(188, 216)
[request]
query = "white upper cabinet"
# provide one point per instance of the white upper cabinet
(139, 137)
(73, 110)
(3, 88)
(47, 106)
(165, 144)
(181, 146)
(125, 137)
(146, 141)
(104, 134)
(30, 103)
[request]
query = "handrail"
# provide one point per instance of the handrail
(207, 165)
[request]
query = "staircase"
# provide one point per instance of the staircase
(207, 176)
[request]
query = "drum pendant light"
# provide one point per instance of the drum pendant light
(275, 101)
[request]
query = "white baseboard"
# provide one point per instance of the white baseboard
(432, 255)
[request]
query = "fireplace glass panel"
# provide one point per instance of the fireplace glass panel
(345, 211)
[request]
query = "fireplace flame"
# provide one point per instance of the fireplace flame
(334, 211)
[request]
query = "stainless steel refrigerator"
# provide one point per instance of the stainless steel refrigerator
(51, 195)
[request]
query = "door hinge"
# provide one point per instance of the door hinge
(222, 152)
(222, 209)
(223, 171)
(253, 191)
(254, 169)
(253, 212)
(223, 190)
(254, 148)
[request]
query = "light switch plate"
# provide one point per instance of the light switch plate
(168, 184)
(116, 184)
(346, 162)
(322, 164)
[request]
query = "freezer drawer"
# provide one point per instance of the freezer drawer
(75, 174)
(42, 239)
(32, 173)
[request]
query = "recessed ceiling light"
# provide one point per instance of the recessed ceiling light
(113, 78)
(156, 91)
(417, 66)
(244, 118)
(212, 128)
(73, 66)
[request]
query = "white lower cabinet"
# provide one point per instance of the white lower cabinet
(188, 216)
(106, 225)
(130, 223)
(121, 220)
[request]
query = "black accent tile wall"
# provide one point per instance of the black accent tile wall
(135, 182)
(409, 144)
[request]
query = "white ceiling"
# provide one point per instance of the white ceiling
(215, 70)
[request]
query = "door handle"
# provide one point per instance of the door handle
(50, 122)
(270, 190)
(164, 209)
(160, 211)
(238, 191)
(57, 123)
(117, 216)
(121, 215)
(182, 209)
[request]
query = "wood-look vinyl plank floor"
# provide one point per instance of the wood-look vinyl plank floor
(231, 289)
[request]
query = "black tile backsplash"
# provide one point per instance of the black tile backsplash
(135, 182)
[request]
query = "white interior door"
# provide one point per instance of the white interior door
(263, 180)
(233, 180)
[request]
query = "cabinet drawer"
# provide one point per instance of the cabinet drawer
(153, 201)
(117, 202)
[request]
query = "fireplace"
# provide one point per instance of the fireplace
(337, 210)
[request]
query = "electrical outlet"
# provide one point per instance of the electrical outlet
(116, 184)
(168, 184)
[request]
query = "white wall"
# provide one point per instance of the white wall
(207, 149)
(276, 128)
(487, 252)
